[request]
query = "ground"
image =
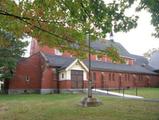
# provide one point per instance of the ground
(144, 92)
(65, 107)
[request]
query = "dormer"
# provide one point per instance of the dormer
(98, 58)
(58, 52)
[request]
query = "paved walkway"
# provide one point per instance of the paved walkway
(126, 96)
(116, 94)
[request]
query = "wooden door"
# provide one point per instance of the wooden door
(103, 82)
(77, 79)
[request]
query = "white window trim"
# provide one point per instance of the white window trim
(58, 52)
(98, 59)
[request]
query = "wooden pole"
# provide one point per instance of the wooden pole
(89, 67)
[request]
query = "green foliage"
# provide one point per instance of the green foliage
(152, 93)
(150, 52)
(114, 55)
(10, 51)
(61, 23)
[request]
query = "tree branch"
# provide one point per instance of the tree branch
(26, 19)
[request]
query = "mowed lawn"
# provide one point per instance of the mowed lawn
(65, 107)
(145, 92)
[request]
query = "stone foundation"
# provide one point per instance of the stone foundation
(48, 91)
(73, 90)
(21, 91)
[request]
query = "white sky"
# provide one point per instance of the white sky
(140, 40)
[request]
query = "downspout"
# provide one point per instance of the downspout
(57, 79)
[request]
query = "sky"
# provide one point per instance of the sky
(136, 41)
(140, 40)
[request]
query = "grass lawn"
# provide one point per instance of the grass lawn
(145, 92)
(64, 107)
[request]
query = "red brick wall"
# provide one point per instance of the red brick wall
(117, 80)
(48, 79)
(46, 49)
(124, 80)
(154, 82)
(66, 54)
(66, 84)
(27, 67)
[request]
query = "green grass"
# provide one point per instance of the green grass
(145, 92)
(65, 107)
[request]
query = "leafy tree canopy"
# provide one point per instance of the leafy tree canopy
(11, 50)
(65, 23)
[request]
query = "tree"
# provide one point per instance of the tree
(150, 52)
(65, 23)
(152, 6)
(11, 51)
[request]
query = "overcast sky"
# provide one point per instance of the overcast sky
(139, 40)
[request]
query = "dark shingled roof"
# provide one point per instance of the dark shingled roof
(99, 65)
(104, 44)
(58, 61)
(63, 62)
(139, 60)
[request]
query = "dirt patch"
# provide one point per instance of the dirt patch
(3, 108)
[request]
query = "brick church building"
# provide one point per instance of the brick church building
(48, 70)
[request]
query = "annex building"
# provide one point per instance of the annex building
(48, 70)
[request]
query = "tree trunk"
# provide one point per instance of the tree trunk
(6, 86)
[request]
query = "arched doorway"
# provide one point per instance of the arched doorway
(120, 82)
(103, 81)
(134, 80)
(147, 81)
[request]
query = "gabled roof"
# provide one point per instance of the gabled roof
(139, 60)
(58, 61)
(104, 44)
(63, 62)
(77, 61)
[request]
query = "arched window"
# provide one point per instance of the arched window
(110, 78)
(93, 76)
(113, 76)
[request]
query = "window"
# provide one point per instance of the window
(126, 77)
(127, 62)
(113, 77)
(140, 77)
(27, 78)
(58, 52)
(62, 75)
(110, 76)
(93, 76)
(99, 58)
(102, 76)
